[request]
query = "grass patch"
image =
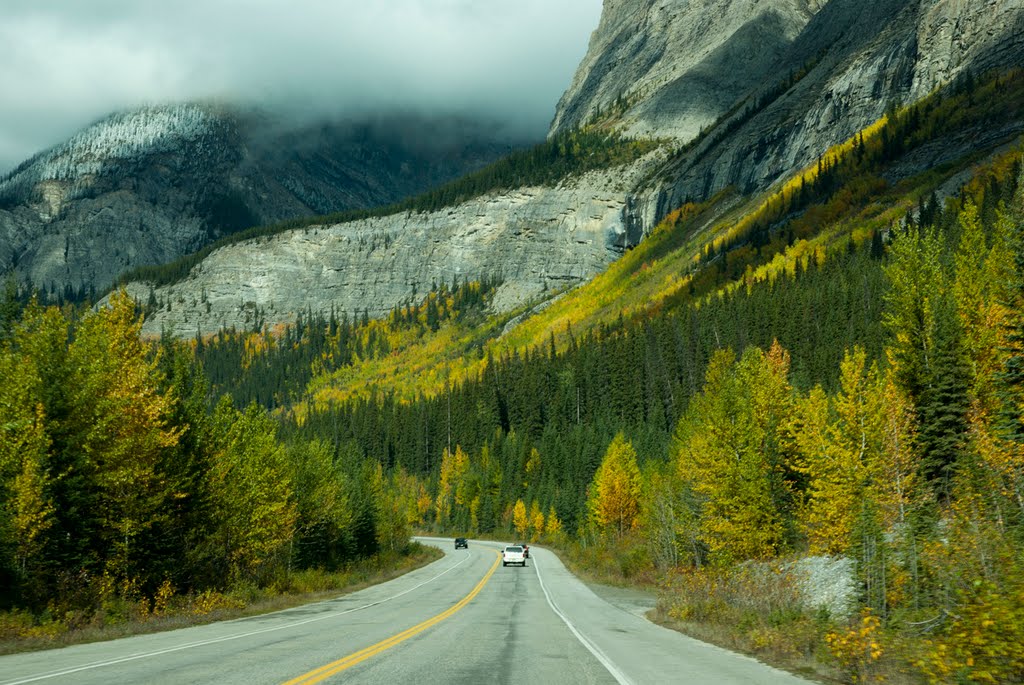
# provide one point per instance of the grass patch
(623, 563)
(21, 631)
(757, 609)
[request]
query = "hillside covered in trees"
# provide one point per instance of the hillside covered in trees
(835, 370)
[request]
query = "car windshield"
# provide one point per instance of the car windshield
(513, 549)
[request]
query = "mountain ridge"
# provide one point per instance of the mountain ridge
(839, 66)
(148, 185)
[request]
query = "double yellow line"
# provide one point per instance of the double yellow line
(336, 667)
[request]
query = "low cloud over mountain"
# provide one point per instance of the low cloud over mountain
(69, 63)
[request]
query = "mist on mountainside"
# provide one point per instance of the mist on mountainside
(73, 64)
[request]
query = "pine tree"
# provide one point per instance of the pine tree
(926, 351)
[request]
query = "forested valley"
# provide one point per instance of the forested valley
(863, 402)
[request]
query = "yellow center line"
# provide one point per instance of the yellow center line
(335, 667)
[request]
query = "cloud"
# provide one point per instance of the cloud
(68, 63)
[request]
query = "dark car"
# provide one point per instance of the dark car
(461, 542)
(526, 550)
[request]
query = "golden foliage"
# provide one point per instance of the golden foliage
(731, 450)
(520, 520)
(855, 448)
(536, 521)
(614, 502)
(858, 648)
(552, 525)
(450, 489)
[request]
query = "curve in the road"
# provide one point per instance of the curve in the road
(591, 647)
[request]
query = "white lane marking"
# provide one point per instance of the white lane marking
(619, 676)
(227, 638)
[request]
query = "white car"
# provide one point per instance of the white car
(513, 554)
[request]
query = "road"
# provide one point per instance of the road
(461, 619)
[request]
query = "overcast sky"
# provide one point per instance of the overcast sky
(65, 63)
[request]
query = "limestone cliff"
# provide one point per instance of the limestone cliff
(539, 240)
(671, 67)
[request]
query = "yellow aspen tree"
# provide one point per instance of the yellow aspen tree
(842, 467)
(614, 503)
(424, 503)
(474, 514)
(520, 521)
(463, 485)
(415, 498)
(32, 509)
(532, 468)
(445, 488)
(451, 488)
(857, 455)
(810, 433)
(26, 513)
(536, 521)
(895, 472)
(253, 509)
(552, 525)
(981, 290)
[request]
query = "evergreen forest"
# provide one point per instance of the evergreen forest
(838, 373)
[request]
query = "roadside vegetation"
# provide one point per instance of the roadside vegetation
(136, 614)
(127, 488)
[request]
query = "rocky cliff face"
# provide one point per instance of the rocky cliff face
(147, 186)
(675, 66)
(668, 68)
(539, 240)
(786, 78)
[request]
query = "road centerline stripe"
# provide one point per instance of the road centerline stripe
(326, 671)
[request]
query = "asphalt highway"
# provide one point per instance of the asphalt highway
(462, 619)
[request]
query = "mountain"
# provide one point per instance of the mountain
(739, 96)
(672, 68)
(149, 185)
(799, 76)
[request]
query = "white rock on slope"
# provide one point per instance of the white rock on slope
(537, 239)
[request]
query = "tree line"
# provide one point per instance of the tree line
(889, 433)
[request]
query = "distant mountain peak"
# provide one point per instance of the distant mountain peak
(150, 184)
(118, 137)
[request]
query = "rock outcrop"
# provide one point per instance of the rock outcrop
(676, 66)
(539, 240)
(669, 68)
